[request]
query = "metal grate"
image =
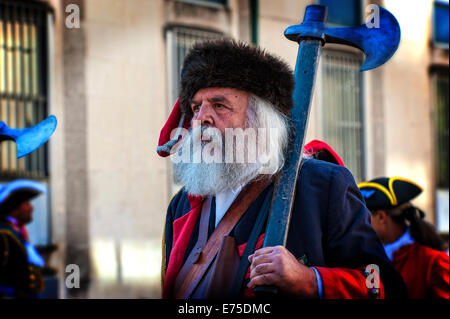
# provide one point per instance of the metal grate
(441, 122)
(180, 41)
(23, 81)
(341, 108)
(208, 3)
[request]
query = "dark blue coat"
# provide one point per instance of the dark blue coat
(330, 225)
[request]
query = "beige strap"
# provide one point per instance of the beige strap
(198, 261)
(196, 251)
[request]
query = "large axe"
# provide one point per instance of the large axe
(31, 138)
(378, 44)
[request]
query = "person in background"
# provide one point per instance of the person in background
(20, 263)
(411, 243)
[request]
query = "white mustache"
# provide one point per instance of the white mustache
(208, 162)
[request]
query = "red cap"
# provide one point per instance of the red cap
(176, 120)
(323, 151)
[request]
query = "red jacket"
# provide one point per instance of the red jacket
(424, 270)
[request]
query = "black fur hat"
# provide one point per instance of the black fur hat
(232, 64)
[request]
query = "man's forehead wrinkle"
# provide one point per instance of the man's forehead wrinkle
(214, 98)
(218, 98)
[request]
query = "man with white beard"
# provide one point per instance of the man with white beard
(229, 89)
(214, 153)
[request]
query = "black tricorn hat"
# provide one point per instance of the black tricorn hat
(384, 193)
(16, 192)
(232, 64)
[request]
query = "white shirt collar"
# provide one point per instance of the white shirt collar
(224, 201)
(12, 220)
(404, 240)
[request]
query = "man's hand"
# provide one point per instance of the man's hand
(276, 266)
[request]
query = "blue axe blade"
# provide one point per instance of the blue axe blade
(379, 44)
(31, 138)
(378, 38)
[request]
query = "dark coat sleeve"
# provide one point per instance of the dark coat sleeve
(351, 244)
(14, 271)
(168, 229)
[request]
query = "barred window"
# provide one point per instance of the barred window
(440, 79)
(341, 108)
(440, 23)
(23, 81)
(179, 42)
(209, 3)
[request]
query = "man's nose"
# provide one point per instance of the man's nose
(205, 115)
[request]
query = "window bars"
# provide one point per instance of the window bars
(341, 110)
(23, 81)
(179, 41)
(441, 127)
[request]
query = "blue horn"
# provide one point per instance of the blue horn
(31, 138)
(378, 40)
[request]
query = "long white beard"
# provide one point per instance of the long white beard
(213, 177)
(201, 178)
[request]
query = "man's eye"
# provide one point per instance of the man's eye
(195, 108)
(219, 106)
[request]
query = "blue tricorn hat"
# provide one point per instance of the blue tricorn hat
(384, 192)
(18, 191)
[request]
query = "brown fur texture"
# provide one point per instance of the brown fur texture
(232, 64)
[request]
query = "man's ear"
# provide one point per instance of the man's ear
(381, 215)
